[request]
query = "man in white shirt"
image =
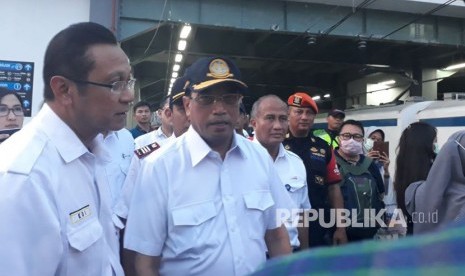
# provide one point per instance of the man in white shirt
(55, 201)
(120, 145)
(269, 118)
(192, 212)
(180, 125)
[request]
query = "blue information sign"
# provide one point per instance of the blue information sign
(18, 76)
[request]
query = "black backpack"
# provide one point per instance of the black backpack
(360, 191)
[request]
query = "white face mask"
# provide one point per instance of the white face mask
(436, 148)
(351, 147)
(368, 144)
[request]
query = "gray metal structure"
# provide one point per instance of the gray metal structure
(285, 46)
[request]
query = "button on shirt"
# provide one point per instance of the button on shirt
(55, 203)
(291, 171)
(153, 136)
(120, 145)
(197, 211)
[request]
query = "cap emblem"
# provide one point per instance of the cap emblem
(219, 69)
(297, 100)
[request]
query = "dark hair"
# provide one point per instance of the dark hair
(380, 131)
(416, 143)
(66, 54)
(354, 123)
(141, 104)
(5, 92)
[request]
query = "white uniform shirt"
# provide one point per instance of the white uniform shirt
(120, 145)
(291, 171)
(205, 215)
(123, 202)
(151, 137)
(55, 203)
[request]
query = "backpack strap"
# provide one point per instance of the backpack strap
(345, 167)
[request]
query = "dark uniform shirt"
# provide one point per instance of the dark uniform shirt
(137, 131)
(320, 164)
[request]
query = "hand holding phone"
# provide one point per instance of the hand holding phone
(6, 133)
(381, 147)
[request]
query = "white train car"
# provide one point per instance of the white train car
(447, 116)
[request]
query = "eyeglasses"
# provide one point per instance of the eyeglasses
(17, 110)
(117, 87)
(228, 99)
(348, 136)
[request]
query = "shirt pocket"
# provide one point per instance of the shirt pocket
(85, 236)
(257, 203)
(294, 185)
(193, 227)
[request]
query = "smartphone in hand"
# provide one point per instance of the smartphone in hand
(381, 147)
(9, 131)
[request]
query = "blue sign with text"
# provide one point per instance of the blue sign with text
(18, 76)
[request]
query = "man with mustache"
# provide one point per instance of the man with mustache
(270, 122)
(320, 163)
(195, 214)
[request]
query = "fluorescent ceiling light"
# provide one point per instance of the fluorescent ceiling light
(378, 65)
(176, 67)
(326, 96)
(172, 80)
(174, 75)
(455, 66)
(316, 98)
(387, 82)
(178, 58)
(182, 45)
(185, 31)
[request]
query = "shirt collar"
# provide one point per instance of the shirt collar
(199, 149)
(159, 133)
(63, 137)
(281, 150)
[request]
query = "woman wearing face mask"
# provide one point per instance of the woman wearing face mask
(11, 113)
(415, 155)
(355, 167)
(381, 159)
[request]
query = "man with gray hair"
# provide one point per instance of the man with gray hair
(269, 118)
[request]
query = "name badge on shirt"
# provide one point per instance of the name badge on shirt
(80, 215)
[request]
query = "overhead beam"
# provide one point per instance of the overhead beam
(289, 16)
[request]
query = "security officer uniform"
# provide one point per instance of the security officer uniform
(321, 167)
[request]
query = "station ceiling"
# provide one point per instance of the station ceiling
(280, 62)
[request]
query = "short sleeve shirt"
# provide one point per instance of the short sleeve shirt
(199, 213)
(55, 203)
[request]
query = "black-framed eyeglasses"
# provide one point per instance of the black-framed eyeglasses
(228, 99)
(116, 87)
(348, 136)
(5, 110)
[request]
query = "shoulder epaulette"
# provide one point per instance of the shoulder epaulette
(146, 150)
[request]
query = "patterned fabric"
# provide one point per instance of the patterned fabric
(440, 252)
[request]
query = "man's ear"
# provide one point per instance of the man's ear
(61, 88)
(253, 122)
(167, 112)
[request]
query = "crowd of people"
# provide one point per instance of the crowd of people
(203, 194)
